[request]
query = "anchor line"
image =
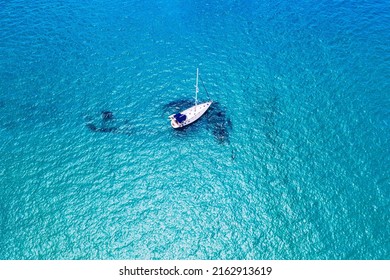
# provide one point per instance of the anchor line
(208, 95)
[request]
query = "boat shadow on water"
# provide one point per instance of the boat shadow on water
(215, 120)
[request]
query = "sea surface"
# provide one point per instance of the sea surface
(292, 161)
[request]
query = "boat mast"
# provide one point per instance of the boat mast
(196, 87)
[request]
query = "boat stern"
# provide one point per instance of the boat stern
(174, 123)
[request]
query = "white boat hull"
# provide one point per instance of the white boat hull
(192, 114)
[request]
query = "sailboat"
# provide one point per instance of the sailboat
(193, 113)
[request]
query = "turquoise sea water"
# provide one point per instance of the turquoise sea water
(291, 162)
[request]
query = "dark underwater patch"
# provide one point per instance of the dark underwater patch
(219, 123)
(94, 128)
(107, 115)
(107, 124)
(271, 109)
(178, 105)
